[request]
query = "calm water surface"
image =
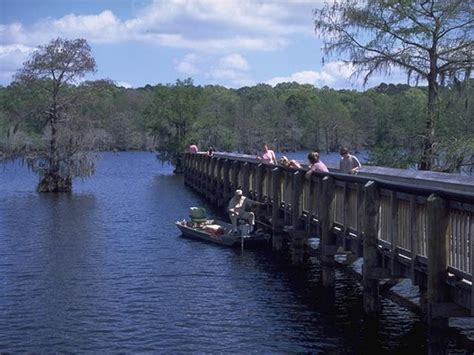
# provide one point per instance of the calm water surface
(104, 269)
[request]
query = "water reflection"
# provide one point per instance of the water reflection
(105, 270)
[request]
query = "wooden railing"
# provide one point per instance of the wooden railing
(420, 230)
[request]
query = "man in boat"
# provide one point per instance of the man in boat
(238, 209)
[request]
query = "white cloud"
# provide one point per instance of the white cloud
(104, 27)
(192, 24)
(15, 49)
(304, 77)
(188, 65)
(208, 27)
(338, 75)
(229, 70)
(328, 75)
(251, 16)
(216, 45)
(339, 69)
(11, 59)
(124, 84)
(235, 61)
(232, 71)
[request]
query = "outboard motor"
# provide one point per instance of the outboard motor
(198, 214)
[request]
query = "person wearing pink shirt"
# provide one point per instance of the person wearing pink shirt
(267, 155)
(193, 148)
(315, 165)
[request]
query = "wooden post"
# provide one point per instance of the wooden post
(412, 218)
(191, 171)
(246, 179)
(198, 172)
(394, 238)
(194, 171)
(357, 248)
(219, 183)
(186, 168)
(369, 280)
(260, 176)
(277, 240)
(226, 194)
(470, 231)
(204, 166)
(211, 179)
(287, 187)
(438, 222)
(235, 175)
(297, 184)
(346, 217)
(311, 203)
(360, 210)
(298, 236)
(327, 238)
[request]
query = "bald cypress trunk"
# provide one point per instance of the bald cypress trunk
(51, 180)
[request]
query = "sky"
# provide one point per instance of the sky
(233, 43)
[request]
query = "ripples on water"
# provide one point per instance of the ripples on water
(104, 269)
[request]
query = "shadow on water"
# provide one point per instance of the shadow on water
(340, 311)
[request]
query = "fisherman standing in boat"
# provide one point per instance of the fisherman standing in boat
(238, 208)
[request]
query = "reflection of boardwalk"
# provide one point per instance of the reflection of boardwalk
(416, 225)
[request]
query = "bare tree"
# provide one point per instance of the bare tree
(51, 69)
(432, 40)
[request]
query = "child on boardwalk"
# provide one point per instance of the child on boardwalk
(348, 164)
(267, 155)
(315, 165)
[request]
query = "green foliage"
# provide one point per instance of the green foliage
(42, 102)
(430, 40)
(391, 156)
(387, 120)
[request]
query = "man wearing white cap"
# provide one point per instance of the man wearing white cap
(237, 208)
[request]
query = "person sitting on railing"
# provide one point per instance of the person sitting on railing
(315, 165)
(238, 209)
(267, 155)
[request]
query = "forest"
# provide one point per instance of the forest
(387, 120)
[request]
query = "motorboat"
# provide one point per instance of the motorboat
(219, 232)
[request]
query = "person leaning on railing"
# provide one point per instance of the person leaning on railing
(315, 164)
(287, 163)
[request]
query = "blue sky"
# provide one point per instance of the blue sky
(233, 43)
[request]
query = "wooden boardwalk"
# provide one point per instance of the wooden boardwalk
(402, 228)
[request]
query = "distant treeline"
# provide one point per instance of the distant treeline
(388, 121)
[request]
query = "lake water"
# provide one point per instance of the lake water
(105, 270)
